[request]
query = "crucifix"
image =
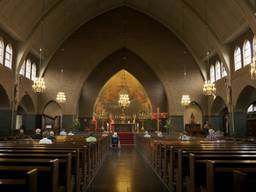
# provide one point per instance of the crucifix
(158, 116)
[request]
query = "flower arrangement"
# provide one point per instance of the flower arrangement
(212, 135)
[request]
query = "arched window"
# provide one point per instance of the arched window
(22, 69)
(212, 73)
(254, 46)
(28, 68)
(217, 70)
(8, 56)
(33, 72)
(223, 71)
(237, 59)
(247, 53)
(1, 51)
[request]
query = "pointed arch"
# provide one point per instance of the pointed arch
(195, 109)
(52, 109)
(246, 97)
(4, 99)
(105, 70)
(107, 100)
(27, 104)
(218, 106)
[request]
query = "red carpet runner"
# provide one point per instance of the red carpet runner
(126, 138)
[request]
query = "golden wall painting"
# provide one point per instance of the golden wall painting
(107, 101)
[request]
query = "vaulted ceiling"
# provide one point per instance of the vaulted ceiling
(47, 23)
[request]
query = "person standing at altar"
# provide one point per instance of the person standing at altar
(115, 140)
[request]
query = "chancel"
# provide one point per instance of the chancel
(127, 95)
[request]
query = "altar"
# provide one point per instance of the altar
(123, 127)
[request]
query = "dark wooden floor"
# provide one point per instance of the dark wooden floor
(125, 171)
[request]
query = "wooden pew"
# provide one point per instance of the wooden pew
(240, 181)
(48, 168)
(24, 181)
(165, 159)
(224, 169)
(197, 165)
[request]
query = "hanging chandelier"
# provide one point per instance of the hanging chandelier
(39, 85)
(185, 100)
(61, 97)
(253, 69)
(209, 88)
(124, 100)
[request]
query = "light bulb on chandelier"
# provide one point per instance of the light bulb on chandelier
(61, 97)
(185, 100)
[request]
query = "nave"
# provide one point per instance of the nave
(124, 170)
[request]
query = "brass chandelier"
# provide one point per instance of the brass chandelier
(39, 84)
(185, 100)
(124, 100)
(209, 88)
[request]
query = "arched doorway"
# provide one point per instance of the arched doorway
(244, 120)
(220, 116)
(193, 118)
(52, 116)
(25, 116)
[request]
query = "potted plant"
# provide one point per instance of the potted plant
(169, 125)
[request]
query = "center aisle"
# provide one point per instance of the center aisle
(124, 170)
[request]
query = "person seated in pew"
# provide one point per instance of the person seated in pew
(21, 134)
(63, 133)
(70, 133)
(45, 139)
(147, 135)
(159, 134)
(38, 134)
(91, 139)
(51, 135)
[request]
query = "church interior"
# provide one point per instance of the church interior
(127, 95)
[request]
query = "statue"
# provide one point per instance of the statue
(192, 118)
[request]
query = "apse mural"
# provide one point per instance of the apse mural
(107, 104)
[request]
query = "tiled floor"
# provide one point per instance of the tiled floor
(125, 171)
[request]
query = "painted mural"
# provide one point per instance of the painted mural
(107, 101)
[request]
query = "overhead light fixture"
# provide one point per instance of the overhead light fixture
(209, 88)
(124, 100)
(39, 83)
(185, 100)
(61, 97)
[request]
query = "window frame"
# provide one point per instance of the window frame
(237, 58)
(28, 68)
(247, 53)
(8, 56)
